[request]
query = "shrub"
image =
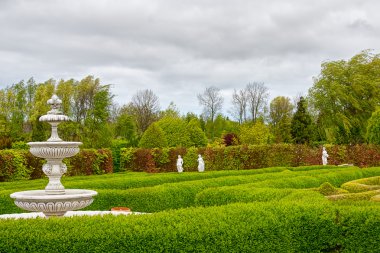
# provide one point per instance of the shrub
(116, 147)
(126, 158)
(13, 165)
(262, 156)
(238, 227)
(153, 137)
(90, 162)
(20, 145)
(328, 189)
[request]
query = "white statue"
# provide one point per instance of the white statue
(324, 156)
(201, 164)
(179, 164)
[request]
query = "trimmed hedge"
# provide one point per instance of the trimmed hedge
(253, 227)
(362, 185)
(21, 164)
(279, 187)
(157, 192)
(247, 157)
(185, 194)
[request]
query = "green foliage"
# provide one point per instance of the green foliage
(175, 131)
(214, 229)
(258, 156)
(362, 185)
(197, 138)
(328, 189)
(153, 137)
(125, 128)
(87, 102)
(161, 156)
(235, 211)
(301, 126)
(258, 133)
(98, 132)
(280, 118)
(224, 211)
(20, 164)
(20, 145)
(116, 147)
(90, 162)
(373, 128)
(126, 158)
(190, 162)
(345, 94)
(13, 165)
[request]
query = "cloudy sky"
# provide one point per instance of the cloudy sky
(178, 48)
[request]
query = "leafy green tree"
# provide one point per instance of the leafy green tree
(345, 94)
(220, 126)
(280, 118)
(301, 126)
(125, 128)
(197, 138)
(98, 132)
(65, 91)
(175, 131)
(373, 129)
(171, 111)
(44, 91)
(256, 133)
(153, 137)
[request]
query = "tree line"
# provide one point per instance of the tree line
(342, 107)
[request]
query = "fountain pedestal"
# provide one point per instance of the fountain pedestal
(55, 200)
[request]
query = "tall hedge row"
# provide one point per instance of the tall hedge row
(21, 164)
(246, 157)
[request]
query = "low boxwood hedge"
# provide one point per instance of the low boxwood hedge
(252, 227)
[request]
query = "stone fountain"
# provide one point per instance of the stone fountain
(55, 200)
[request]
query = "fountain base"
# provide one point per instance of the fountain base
(53, 205)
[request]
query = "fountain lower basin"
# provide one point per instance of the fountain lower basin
(53, 205)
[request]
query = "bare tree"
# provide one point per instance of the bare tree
(145, 107)
(257, 98)
(212, 102)
(239, 105)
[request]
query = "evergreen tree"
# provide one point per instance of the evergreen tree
(153, 137)
(196, 135)
(301, 126)
(175, 131)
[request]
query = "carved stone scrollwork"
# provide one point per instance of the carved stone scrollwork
(47, 169)
(53, 208)
(63, 168)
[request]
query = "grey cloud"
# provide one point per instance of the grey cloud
(178, 48)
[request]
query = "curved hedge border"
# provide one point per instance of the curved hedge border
(21, 164)
(361, 189)
(246, 157)
(253, 227)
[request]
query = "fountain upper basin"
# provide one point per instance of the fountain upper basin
(53, 205)
(54, 150)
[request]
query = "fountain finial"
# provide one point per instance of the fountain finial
(54, 117)
(55, 104)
